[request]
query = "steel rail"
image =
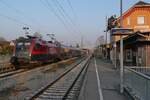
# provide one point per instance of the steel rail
(72, 85)
(42, 90)
(14, 72)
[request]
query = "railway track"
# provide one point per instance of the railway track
(13, 85)
(64, 87)
(11, 70)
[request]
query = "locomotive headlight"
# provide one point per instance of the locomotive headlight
(27, 44)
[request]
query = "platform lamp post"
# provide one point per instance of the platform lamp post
(106, 36)
(106, 43)
(121, 50)
(115, 47)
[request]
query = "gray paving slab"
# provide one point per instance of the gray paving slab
(109, 78)
(109, 82)
(89, 90)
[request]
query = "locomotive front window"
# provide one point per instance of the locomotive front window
(22, 49)
(22, 46)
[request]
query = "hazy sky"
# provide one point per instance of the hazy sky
(69, 22)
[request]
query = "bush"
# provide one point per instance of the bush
(6, 50)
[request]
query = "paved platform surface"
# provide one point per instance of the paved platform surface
(107, 89)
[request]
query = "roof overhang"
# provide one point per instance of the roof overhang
(136, 34)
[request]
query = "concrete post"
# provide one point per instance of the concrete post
(121, 51)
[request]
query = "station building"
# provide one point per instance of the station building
(136, 36)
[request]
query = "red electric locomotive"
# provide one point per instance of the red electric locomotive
(35, 50)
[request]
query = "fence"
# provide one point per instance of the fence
(137, 82)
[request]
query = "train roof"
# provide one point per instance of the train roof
(44, 42)
(65, 46)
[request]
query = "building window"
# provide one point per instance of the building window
(128, 21)
(128, 55)
(140, 20)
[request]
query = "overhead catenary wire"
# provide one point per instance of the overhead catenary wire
(63, 15)
(14, 20)
(62, 10)
(19, 12)
(59, 10)
(73, 11)
(47, 4)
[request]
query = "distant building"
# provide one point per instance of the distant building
(136, 36)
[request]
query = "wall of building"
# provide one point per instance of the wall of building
(147, 55)
(130, 20)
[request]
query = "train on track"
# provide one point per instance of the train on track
(31, 50)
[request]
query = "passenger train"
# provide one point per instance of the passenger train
(36, 50)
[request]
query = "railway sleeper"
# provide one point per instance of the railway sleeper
(50, 98)
(53, 94)
(55, 88)
(57, 92)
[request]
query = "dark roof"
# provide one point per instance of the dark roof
(141, 3)
(4, 43)
(135, 34)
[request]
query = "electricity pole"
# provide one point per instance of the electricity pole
(106, 38)
(121, 50)
(81, 42)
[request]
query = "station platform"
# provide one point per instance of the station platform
(101, 82)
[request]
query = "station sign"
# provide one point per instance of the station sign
(121, 31)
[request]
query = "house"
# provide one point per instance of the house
(136, 35)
